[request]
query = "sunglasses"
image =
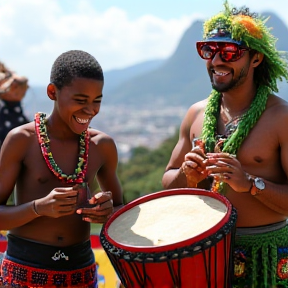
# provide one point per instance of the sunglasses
(228, 52)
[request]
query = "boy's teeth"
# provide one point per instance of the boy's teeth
(82, 121)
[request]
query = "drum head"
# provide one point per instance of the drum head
(166, 219)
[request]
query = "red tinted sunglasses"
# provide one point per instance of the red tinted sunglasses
(228, 52)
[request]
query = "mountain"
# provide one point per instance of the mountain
(115, 77)
(172, 82)
(181, 79)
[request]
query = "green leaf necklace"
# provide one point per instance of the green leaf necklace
(233, 142)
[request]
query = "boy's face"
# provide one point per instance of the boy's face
(78, 102)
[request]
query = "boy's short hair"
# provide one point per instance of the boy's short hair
(73, 64)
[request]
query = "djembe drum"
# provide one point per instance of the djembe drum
(174, 238)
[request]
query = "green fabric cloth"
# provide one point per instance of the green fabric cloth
(261, 260)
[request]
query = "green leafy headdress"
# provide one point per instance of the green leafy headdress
(250, 30)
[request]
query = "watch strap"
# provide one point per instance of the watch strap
(254, 190)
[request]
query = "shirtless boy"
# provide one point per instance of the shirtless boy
(242, 126)
(53, 161)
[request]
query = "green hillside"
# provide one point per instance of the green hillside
(142, 174)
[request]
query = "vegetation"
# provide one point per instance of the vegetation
(142, 174)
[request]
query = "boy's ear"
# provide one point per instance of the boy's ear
(51, 91)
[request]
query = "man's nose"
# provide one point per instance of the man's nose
(217, 59)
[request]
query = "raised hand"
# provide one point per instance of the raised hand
(194, 165)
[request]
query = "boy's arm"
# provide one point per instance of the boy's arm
(111, 198)
(107, 174)
(11, 156)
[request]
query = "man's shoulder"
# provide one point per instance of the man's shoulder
(276, 104)
(200, 104)
(197, 107)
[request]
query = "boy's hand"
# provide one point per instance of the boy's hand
(101, 210)
(59, 202)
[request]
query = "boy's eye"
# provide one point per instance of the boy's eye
(80, 100)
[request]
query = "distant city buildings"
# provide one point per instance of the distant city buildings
(133, 127)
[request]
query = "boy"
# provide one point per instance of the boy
(53, 161)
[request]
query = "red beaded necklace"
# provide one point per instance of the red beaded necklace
(43, 139)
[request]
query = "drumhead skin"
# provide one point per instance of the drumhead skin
(167, 220)
(159, 220)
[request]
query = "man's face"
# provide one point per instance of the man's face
(227, 64)
(224, 77)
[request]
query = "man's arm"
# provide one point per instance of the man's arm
(185, 166)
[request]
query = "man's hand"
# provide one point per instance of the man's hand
(194, 166)
(225, 167)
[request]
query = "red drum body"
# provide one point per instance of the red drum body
(173, 238)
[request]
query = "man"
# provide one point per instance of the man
(12, 90)
(240, 141)
(54, 162)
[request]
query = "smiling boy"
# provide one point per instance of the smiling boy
(53, 161)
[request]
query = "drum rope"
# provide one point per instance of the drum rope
(175, 278)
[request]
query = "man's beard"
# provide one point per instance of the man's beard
(225, 87)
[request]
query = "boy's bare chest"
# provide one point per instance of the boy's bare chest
(64, 158)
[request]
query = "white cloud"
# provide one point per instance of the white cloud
(35, 32)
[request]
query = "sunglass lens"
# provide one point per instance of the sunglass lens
(230, 52)
(207, 51)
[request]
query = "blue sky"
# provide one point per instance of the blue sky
(118, 33)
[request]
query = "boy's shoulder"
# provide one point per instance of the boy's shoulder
(98, 136)
(24, 131)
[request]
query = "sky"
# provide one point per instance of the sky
(119, 34)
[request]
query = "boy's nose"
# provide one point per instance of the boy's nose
(92, 109)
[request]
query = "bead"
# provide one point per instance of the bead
(44, 141)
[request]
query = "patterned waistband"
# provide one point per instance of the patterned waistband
(18, 275)
(49, 257)
(260, 229)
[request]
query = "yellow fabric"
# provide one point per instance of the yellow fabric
(105, 269)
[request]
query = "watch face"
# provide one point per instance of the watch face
(259, 183)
